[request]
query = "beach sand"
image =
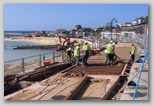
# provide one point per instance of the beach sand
(40, 40)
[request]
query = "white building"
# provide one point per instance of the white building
(134, 22)
(127, 24)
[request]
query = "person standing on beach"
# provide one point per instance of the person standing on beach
(77, 53)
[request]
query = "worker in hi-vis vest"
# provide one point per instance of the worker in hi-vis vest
(77, 53)
(133, 52)
(86, 50)
(110, 52)
(106, 57)
(69, 54)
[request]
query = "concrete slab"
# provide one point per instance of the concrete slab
(142, 94)
(142, 91)
(144, 75)
(136, 66)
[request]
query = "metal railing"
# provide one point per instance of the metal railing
(139, 75)
(31, 62)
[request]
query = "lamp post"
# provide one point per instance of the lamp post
(116, 33)
(113, 20)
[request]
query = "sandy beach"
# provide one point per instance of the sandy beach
(40, 40)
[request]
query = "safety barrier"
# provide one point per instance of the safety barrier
(31, 62)
(140, 72)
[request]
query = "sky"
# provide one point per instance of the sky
(36, 17)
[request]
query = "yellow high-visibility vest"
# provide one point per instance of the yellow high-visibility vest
(105, 51)
(86, 47)
(109, 48)
(112, 50)
(76, 51)
(133, 50)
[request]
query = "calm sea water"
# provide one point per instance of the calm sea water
(21, 32)
(11, 54)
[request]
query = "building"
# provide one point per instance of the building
(134, 22)
(140, 20)
(78, 27)
(128, 24)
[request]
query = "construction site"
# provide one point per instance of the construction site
(63, 80)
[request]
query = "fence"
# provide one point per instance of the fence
(141, 39)
(31, 62)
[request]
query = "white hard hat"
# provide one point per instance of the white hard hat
(69, 48)
(111, 41)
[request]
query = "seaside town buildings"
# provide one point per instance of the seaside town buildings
(139, 25)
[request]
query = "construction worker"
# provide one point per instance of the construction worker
(106, 57)
(77, 53)
(110, 52)
(132, 52)
(69, 53)
(86, 49)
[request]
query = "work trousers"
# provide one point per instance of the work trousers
(132, 58)
(111, 57)
(77, 60)
(106, 58)
(69, 57)
(85, 57)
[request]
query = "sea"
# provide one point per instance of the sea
(12, 54)
(21, 32)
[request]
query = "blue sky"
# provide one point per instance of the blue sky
(35, 17)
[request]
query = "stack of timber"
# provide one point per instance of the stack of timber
(58, 87)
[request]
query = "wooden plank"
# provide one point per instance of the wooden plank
(67, 69)
(123, 71)
(96, 89)
(76, 89)
(105, 96)
(63, 90)
(54, 93)
(26, 95)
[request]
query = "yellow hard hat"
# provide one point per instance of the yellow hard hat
(79, 43)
